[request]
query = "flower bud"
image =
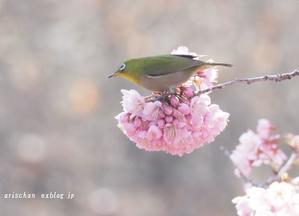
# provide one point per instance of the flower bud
(174, 101)
(168, 119)
(184, 108)
(188, 92)
(161, 123)
(168, 110)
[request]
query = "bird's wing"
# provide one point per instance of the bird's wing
(166, 64)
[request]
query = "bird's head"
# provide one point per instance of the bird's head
(127, 71)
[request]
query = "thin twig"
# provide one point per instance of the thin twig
(275, 78)
(283, 169)
(288, 164)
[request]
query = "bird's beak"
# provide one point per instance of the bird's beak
(114, 74)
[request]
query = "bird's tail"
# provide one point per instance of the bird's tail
(218, 64)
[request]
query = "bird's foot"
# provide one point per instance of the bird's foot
(153, 97)
(165, 96)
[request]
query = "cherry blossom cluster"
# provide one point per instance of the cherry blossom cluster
(177, 125)
(279, 194)
(257, 148)
(279, 199)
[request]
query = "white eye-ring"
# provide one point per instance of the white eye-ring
(122, 67)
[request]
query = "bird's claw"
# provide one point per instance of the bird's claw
(166, 95)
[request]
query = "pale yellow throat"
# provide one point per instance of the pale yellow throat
(129, 77)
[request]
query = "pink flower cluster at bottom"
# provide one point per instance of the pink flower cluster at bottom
(176, 126)
(257, 148)
(279, 199)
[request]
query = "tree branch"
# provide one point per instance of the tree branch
(275, 78)
(283, 169)
(287, 166)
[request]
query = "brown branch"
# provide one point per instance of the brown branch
(275, 78)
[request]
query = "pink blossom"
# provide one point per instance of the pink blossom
(209, 77)
(132, 101)
(160, 126)
(154, 133)
(264, 128)
(280, 194)
(184, 109)
(279, 199)
(246, 153)
(152, 110)
(188, 91)
(258, 148)
(174, 101)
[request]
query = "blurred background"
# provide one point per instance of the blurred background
(57, 107)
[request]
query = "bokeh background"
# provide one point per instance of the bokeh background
(57, 107)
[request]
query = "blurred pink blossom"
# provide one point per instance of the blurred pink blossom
(279, 199)
(258, 148)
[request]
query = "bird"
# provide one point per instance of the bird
(162, 72)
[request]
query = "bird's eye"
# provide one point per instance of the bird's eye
(122, 67)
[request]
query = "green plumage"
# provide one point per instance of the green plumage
(159, 73)
(161, 65)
